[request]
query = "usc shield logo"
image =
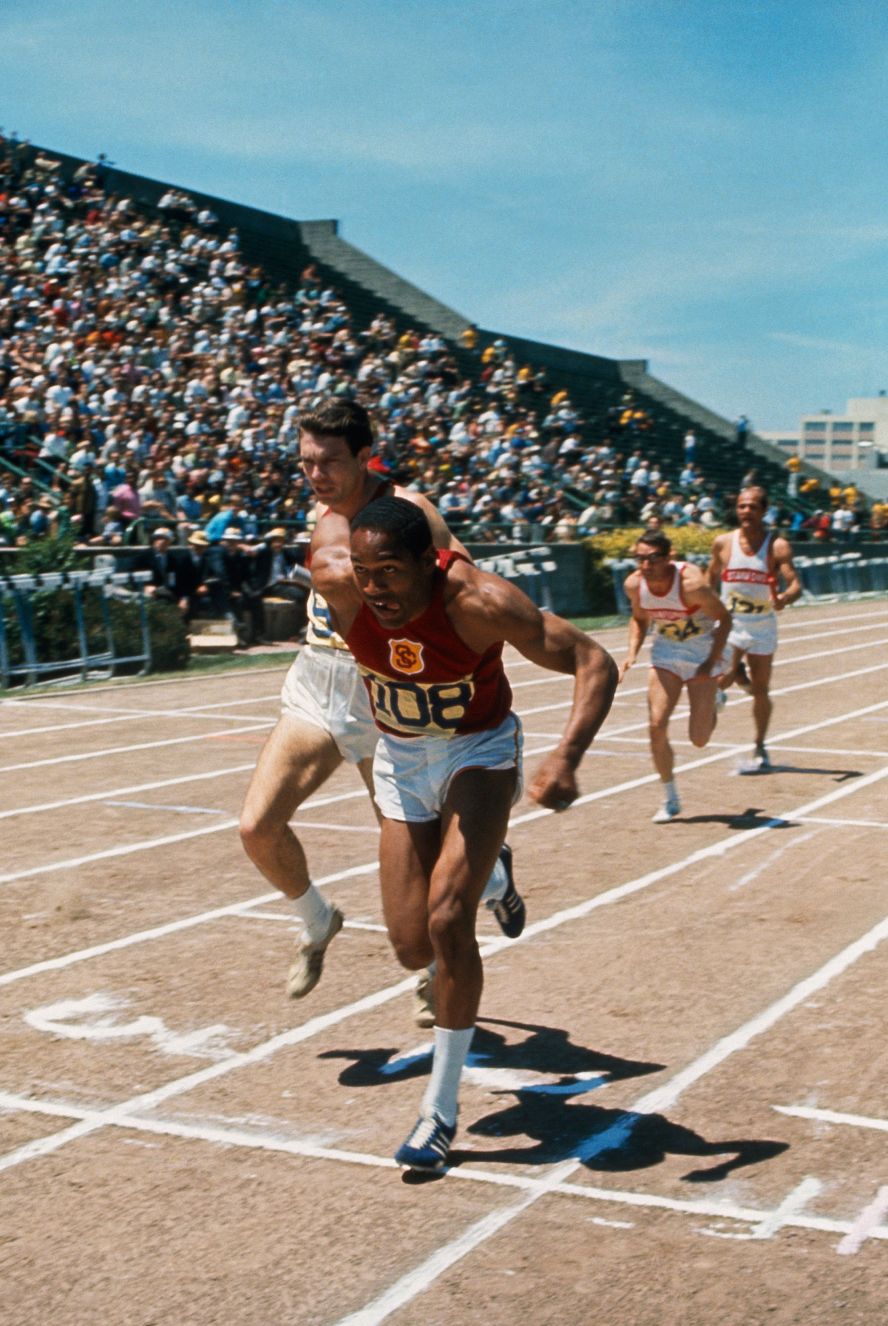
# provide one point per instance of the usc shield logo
(406, 656)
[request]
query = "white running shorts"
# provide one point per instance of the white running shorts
(324, 688)
(412, 775)
(684, 657)
(755, 634)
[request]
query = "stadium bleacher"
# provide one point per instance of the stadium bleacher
(224, 276)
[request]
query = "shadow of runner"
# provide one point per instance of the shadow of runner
(752, 818)
(610, 1141)
(544, 1050)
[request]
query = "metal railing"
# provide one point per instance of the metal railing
(18, 593)
(532, 570)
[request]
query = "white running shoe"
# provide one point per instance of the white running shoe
(668, 811)
(308, 964)
(759, 764)
(424, 1000)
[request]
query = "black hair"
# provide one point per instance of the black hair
(403, 520)
(655, 538)
(338, 417)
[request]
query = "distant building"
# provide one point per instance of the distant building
(840, 442)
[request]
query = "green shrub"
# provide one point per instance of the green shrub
(599, 595)
(50, 554)
(617, 543)
(170, 647)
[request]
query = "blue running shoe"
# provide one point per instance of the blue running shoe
(428, 1144)
(509, 910)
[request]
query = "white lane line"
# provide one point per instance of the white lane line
(415, 1282)
(201, 711)
(833, 1116)
(656, 1101)
(168, 840)
(548, 708)
(663, 1098)
(865, 1225)
(149, 1100)
(237, 675)
(825, 621)
(172, 927)
(831, 750)
(844, 824)
(127, 791)
(147, 844)
(226, 1135)
(793, 1203)
(733, 703)
(53, 964)
(120, 715)
(617, 788)
(732, 745)
(118, 684)
(195, 712)
(172, 810)
(141, 745)
(292, 919)
(769, 861)
(781, 661)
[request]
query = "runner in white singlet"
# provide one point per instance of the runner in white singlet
(691, 627)
(750, 565)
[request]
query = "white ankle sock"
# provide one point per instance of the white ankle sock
(313, 911)
(497, 884)
(451, 1049)
(670, 791)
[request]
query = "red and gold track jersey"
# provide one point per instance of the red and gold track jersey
(422, 679)
(319, 627)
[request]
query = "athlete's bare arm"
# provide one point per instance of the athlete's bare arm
(638, 623)
(718, 560)
(485, 610)
(332, 576)
(696, 592)
(785, 570)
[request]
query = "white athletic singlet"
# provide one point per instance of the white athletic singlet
(747, 580)
(319, 630)
(671, 616)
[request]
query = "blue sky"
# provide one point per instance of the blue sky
(701, 183)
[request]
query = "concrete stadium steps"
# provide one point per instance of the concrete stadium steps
(212, 637)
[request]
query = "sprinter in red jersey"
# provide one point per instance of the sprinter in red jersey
(325, 717)
(427, 630)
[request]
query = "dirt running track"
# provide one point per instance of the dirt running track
(675, 1109)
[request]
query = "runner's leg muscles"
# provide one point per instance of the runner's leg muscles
(760, 684)
(295, 761)
(703, 716)
(664, 688)
(474, 823)
(407, 854)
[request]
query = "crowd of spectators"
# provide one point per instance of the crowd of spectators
(151, 376)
